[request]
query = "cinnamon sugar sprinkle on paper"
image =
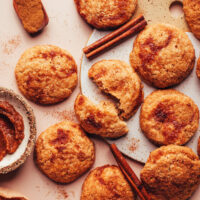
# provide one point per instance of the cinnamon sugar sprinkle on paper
(134, 144)
(64, 115)
(10, 46)
(62, 194)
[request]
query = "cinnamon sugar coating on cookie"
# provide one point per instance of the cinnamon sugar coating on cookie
(163, 55)
(100, 119)
(191, 10)
(117, 79)
(104, 14)
(46, 74)
(171, 173)
(106, 183)
(198, 147)
(198, 68)
(63, 152)
(169, 117)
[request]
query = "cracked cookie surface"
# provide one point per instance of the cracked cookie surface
(117, 79)
(169, 117)
(106, 14)
(162, 55)
(171, 173)
(191, 10)
(63, 152)
(110, 184)
(100, 119)
(46, 74)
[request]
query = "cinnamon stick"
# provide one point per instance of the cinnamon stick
(131, 182)
(113, 34)
(129, 173)
(119, 38)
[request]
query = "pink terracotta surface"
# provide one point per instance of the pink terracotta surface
(67, 30)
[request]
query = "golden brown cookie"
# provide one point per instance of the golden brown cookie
(46, 74)
(191, 10)
(118, 79)
(163, 55)
(101, 119)
(63, 152)
(169, 117)
(198, 147)
(198, 68)
(106, 183)
(104, 14)
(171, 173)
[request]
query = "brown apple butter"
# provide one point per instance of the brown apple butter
(11, 129)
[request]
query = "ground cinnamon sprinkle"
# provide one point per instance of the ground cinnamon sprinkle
(134, 144)
(10, 46)
(31, 14)
(62, 194)
(64, 115)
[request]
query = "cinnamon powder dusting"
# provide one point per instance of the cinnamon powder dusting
(10, 46)
(134, 144)
(62, 194)
(64, 115)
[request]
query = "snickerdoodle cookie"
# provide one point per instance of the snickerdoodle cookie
(163, 55)
(46, 74)
(106, 183)
(198, 147)
(169, 117)
(171, 173)
(191, 10)
(104, 14)
(198, 68)
(101, 119)
(63, 152)
(117, 79)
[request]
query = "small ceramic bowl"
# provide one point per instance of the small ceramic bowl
(6, 193)
(12, 161)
